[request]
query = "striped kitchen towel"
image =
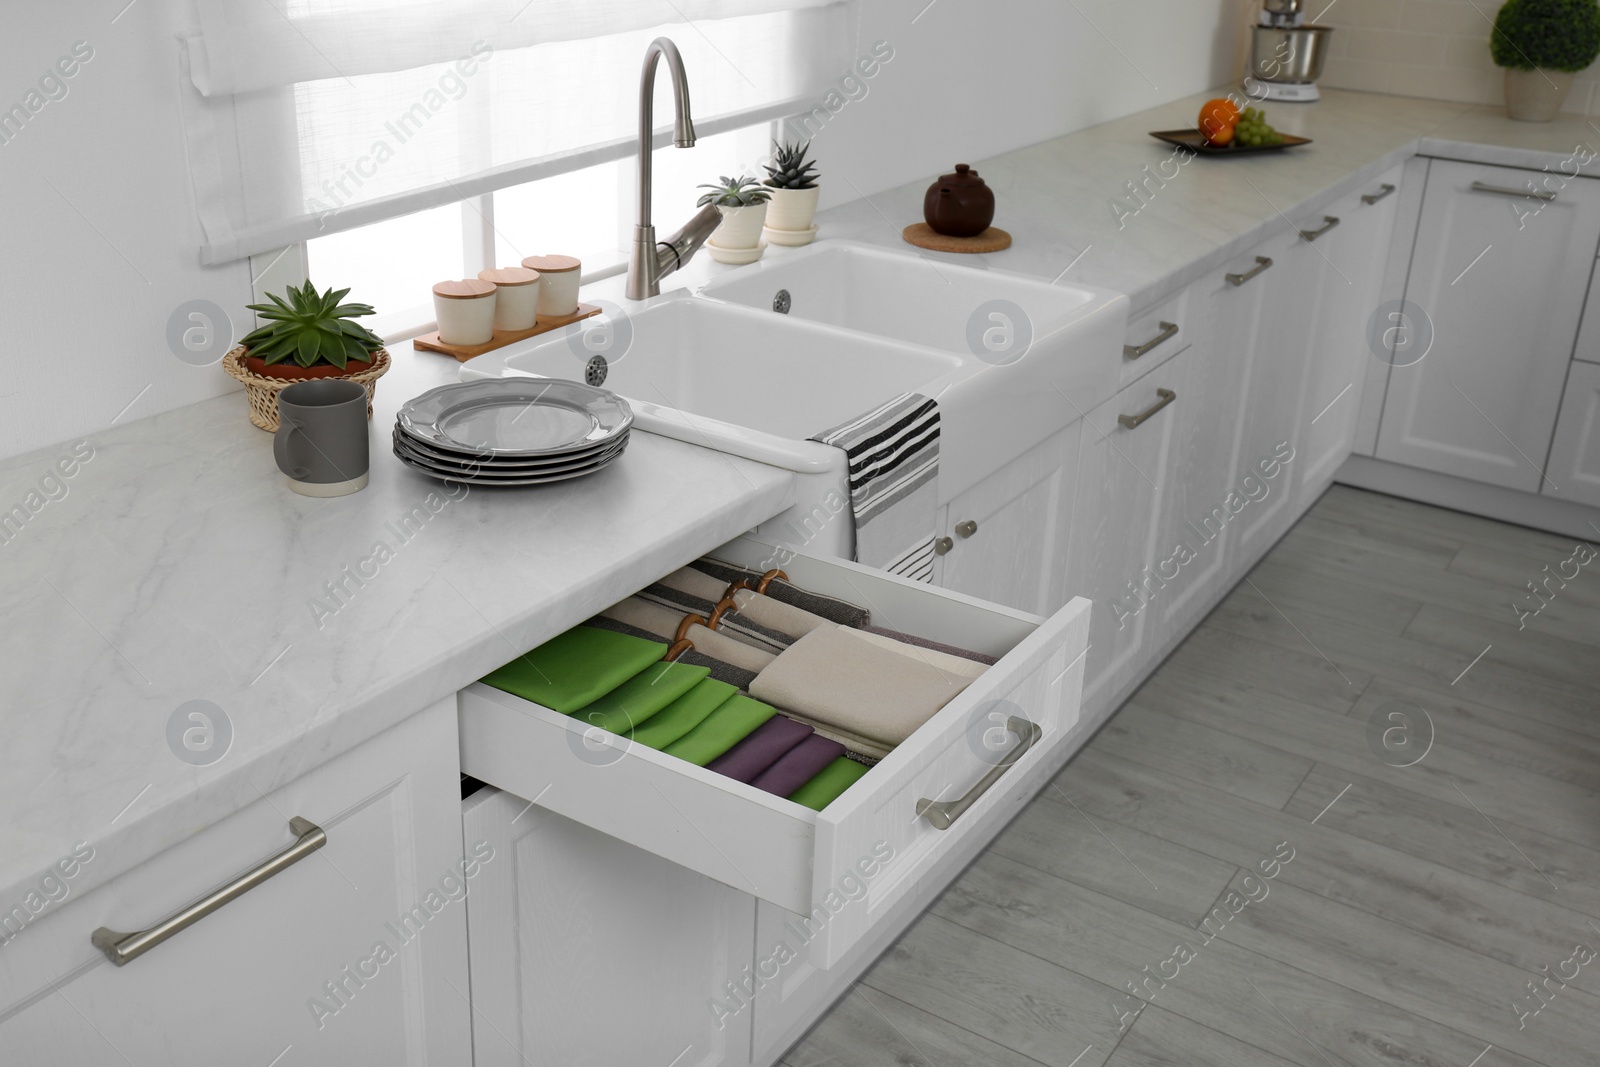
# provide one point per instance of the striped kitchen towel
(894, 483)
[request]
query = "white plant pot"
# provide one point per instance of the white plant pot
(1536, 95)
(792, 209)
(741, 226)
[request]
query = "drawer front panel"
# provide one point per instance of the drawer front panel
(867, 849)
(1151, 339)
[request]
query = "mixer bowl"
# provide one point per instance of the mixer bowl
(1289, 54)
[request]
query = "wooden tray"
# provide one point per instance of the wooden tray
(1194, 139)
(429, 342)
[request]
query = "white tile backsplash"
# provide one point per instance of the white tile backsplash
(1431, 48)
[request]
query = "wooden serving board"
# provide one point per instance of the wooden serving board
(1196, 142)
(429, 342)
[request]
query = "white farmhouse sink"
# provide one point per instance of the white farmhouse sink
(730, 378)
(1010, 360)
(1035, 355)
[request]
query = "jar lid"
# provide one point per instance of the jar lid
(509, 275)
(465, 289)
(551, 264)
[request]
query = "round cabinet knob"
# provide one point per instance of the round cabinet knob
(967, 528)
(943, 545)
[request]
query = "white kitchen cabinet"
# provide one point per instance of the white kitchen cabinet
(589, 951)
(1574, 472)
(356, 953)
(1341, 356)
(1120, 492)
(1008, 535)
(1273, 380)
(1502, 277)
(782, 852)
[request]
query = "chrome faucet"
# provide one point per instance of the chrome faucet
(652, 260)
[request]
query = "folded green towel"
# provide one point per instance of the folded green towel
(832, 780)
(576, 668)
(683, 714)
(725, 727)
(641, 696)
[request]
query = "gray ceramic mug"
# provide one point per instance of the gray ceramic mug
(321, 443)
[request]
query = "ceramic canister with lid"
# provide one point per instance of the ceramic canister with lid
(516, 299)
(558, 284)
(465, 310)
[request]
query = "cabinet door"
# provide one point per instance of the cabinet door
(1190, 558)
(1575, 454)
(1342, 357)
(1272, 384)
(588, 951)
(1120, 472)
(1009, 533)
(354, 954)
(1502, 277)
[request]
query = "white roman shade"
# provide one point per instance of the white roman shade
(310, 116)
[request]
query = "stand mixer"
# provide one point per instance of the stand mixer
(1286, 55)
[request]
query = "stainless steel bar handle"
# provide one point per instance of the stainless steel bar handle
(1506, 190)
(944, 813)
(1329, 222)
(1262, 263)
(1169, 330)
(1372, 198)
(120, 948)
(1133, 422)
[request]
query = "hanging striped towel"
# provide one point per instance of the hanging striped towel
(894, 483)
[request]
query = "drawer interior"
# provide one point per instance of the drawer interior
(867, 845)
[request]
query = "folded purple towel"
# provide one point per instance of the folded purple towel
(799, 765)
(761, 749)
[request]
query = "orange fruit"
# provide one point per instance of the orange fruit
(1218, 115)
(1221, 137)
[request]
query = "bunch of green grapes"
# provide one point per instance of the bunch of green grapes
(1252, 130)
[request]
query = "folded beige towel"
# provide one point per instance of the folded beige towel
(836, 676)
(663, 622)
(965, 668)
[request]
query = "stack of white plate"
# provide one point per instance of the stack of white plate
(512, 431)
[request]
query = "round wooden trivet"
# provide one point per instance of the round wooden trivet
(923, 236)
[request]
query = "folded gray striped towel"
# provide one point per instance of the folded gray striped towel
(894, 483)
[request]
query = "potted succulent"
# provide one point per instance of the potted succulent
(307, 335)
(793, 181)
(743, 204)
(1541, 44)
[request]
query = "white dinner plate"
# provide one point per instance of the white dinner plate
(515, 417)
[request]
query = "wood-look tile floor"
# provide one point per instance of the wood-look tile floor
(1443, 895)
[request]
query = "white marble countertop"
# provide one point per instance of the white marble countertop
(1055, 197)
(174, 566)
(178, 567)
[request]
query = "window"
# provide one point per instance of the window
(588, 213)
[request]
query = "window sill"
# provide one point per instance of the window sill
(399, 326)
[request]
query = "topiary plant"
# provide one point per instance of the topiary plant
(311, 329)
(1559, 35)
(734, 192)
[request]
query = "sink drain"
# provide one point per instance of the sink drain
(781, 302)
(595, 371)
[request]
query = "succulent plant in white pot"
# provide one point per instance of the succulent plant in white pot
(743, 203)
(793, 181)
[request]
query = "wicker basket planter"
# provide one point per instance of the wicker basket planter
(263, 390)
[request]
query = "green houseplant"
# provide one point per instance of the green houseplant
(1541, 44)
(743, 204)
(306, 335)
(791, 177)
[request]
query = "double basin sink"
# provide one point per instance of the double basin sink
(763, 358)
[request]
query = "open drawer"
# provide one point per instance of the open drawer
(848, 864)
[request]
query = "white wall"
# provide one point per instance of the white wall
(89, 275)
(1438, 49)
